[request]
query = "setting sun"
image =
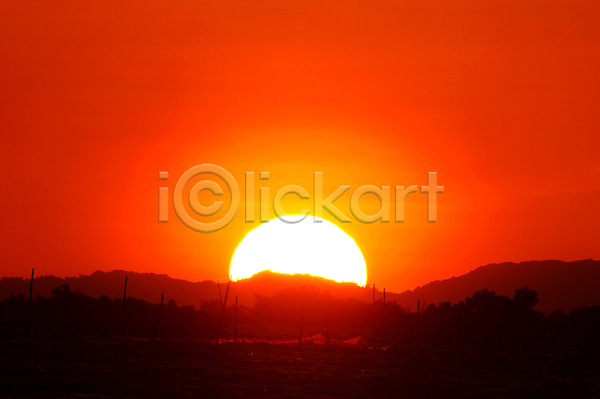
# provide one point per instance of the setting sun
(308, 247)
(192, 192)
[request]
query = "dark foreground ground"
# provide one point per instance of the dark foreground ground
(161, 369)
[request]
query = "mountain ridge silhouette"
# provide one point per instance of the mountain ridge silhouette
(560, 284)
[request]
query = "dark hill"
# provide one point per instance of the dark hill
(559, 284)
(568, 285)
(147, 286)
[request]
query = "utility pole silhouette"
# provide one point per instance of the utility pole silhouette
(29, 303)
(383, 326)
(64, 298)
(124, 308)
(223, 309)
(162, 297)
(235, 318)
(302, 320)
(418, 318)
(374, 322)
(327, 319)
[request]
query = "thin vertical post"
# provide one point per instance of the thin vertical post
(220, 297)
(224, 307)
(327, 319)
(303, 319)
(235, 318)
(29, 303)
(310, 335)
(221, 302)
(374, 322)
(64, 295)
(383, 332)
(162, 297)
(418, 317)
(502, 324)
(124, 307)
(224, 312)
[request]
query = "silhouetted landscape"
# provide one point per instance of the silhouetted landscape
(300, 199)
(310, 336)
(561, 285)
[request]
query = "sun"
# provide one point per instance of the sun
(317, 248)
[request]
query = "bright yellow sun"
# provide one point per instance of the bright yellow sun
(317, 248)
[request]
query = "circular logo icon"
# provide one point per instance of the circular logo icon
(199, 208)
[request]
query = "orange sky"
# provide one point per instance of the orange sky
(500, 98)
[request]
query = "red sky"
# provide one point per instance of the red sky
(499, 98)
